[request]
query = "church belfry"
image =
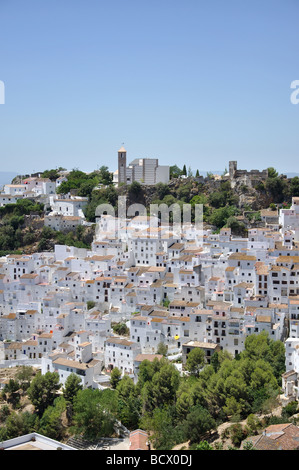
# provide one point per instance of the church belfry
(122, 164)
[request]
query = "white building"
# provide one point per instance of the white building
(9, 198)
(121, 353)
(167, 289)
(68, 206)
(289, 218)
(63, 222)
(143, 170)
(14, 189)
(39, 186)
(34, 441)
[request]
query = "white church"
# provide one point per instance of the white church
(143, 170)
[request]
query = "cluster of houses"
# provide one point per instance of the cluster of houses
(190, 290)
(62, 212)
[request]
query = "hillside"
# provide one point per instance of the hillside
(225, 203)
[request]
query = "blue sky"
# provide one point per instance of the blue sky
(195, 82)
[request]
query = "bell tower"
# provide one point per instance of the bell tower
(122, 164)
(232, 169)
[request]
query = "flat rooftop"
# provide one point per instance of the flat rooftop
(33, 441)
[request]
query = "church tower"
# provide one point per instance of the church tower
(122, 164)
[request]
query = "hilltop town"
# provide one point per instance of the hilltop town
(145, 291)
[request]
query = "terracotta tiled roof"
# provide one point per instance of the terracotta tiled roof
(287, 435)
(262, 442)
(139, 440)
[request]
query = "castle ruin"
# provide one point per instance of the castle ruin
(249, 178)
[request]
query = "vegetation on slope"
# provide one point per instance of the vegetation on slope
(172, 408)
(223, 206)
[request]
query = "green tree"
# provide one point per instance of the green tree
(162, 349)
(43, 245)
(215, 363)
(195, 361)
(174, 171)
(106, 177)
(129, 404)
(262, 347)
(253, 424)
(184, 400)
(109, 400)
(11, 392)
(24, 376)
(85, 183)
(237, 434)
(294, 187)
(165, 383)
(161, 385)
(199, 199)
(217, 199)
(169, 200)
(277, 188)
(87, 187)
(220, 216)
(97, 198)
(47, 233)
(29, 238)
(43, 390)
(237, 227)
(204, 445)
(162, 190)
(198, 422)
(121, 329)
(276, 358)
(184, 192)
(115, 377)
(72, 386)
(235, 385)
(90, 304)
(290, 409)
(135, 188)
(90, 418)
(51, 174)
(162, 429)
(263, 376)
(25, 206)
(4, 413)
(51, 422)
(232, 407)
(272, 173)
(147, 370)
(18, 424)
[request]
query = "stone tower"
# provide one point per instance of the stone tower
(232, 168)
(122, 164)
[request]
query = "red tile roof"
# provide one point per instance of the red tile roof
(139, 440)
